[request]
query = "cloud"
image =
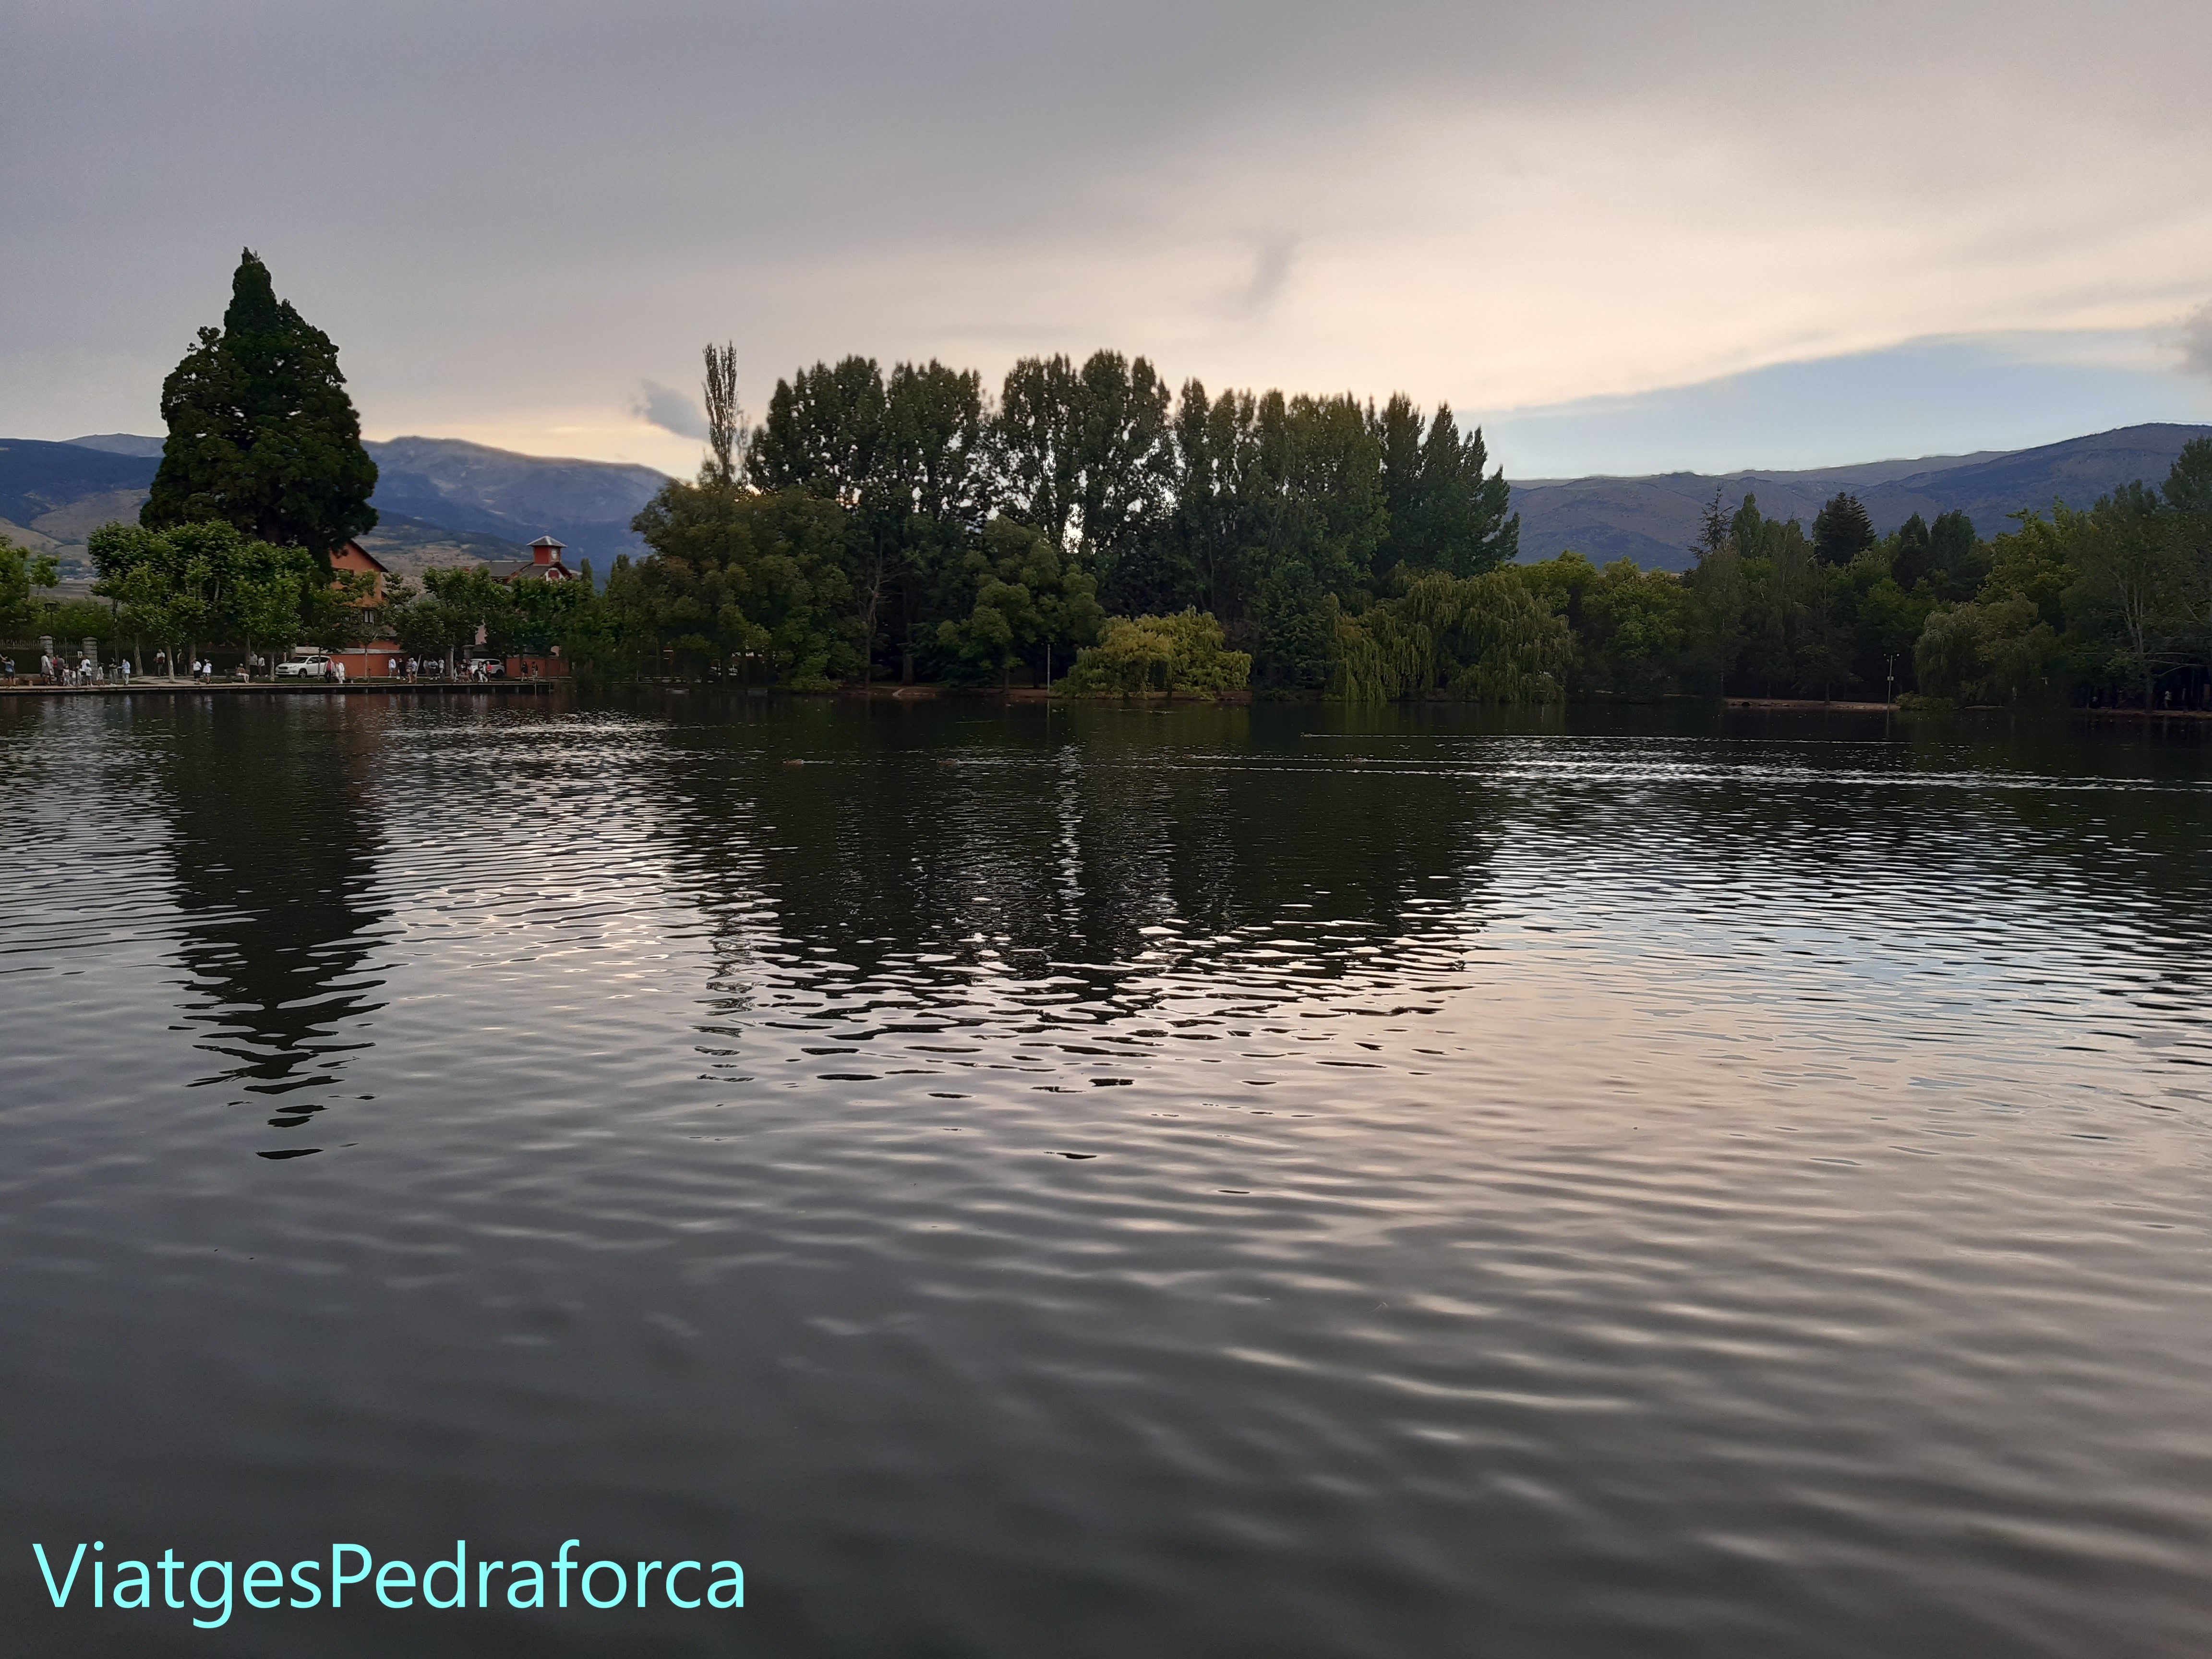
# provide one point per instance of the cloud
(670, 410)
(2196, 341)
(1505, 204)
(1271, 268)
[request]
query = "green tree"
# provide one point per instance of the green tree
(266, 605)
(740, 577)
(1028, 598)
(20, 571)
(1637, 623)
(262, 434)
(1912, 554)
(1997, 652)
(1137, 656)
(2123, 554)
(423, 628)
(1445, 514)
(822, 433)
(1720, 599)
(199, 582)
(338, 611)
(1958, 558)
(2188, 493)
(1084, 454)
(470, 601)
(1498, 637)
(1841, 529)
(543, 615)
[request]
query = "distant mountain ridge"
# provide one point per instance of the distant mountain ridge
(442, 500)
(469, 487)
(1654, 520)
(447, 501)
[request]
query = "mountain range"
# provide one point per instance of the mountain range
(438, 501)
(446, 501)
(1654, 520)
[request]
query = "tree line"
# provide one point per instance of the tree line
(1086, 524)
(906, 525)
(2111, 605)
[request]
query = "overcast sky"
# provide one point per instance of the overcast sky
(1628, 236)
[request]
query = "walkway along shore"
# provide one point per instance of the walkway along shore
(150, 687)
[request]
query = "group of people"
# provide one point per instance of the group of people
(57, 668)
(60, 671)
(198, 669)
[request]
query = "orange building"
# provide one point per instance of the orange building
(372, 660)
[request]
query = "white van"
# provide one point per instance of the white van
(308, 666)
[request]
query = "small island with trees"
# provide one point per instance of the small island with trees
(1090, 528)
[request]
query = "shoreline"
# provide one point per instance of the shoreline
(285, 689)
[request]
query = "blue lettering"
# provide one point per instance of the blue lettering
(735, 1585)
(458, 1566)
(254, 1581)
(223, 1567)
(338, 1580)
(61, 1596)
(622, 1583)
(394, 1576)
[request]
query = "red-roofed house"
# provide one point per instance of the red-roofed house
(372, 661)
(543, 564)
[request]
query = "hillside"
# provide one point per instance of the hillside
(494, 492)
(442, 501)
(53, 495)
(1654, 520)
(446, 501)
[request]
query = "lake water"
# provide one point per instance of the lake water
(1222, 1181)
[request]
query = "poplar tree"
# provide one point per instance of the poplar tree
(262, 435)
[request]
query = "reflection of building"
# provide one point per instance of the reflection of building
(543, 564)
(374, 658)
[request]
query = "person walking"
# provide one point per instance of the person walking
(337, 669)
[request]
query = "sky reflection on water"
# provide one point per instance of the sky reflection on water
(1220, 1182)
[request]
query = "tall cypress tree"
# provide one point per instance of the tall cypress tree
(262, 434)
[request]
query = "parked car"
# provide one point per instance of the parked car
(315, 667)
(492, 668)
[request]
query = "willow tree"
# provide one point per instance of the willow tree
(262, 434)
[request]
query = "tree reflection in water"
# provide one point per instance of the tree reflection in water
(275, 852)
